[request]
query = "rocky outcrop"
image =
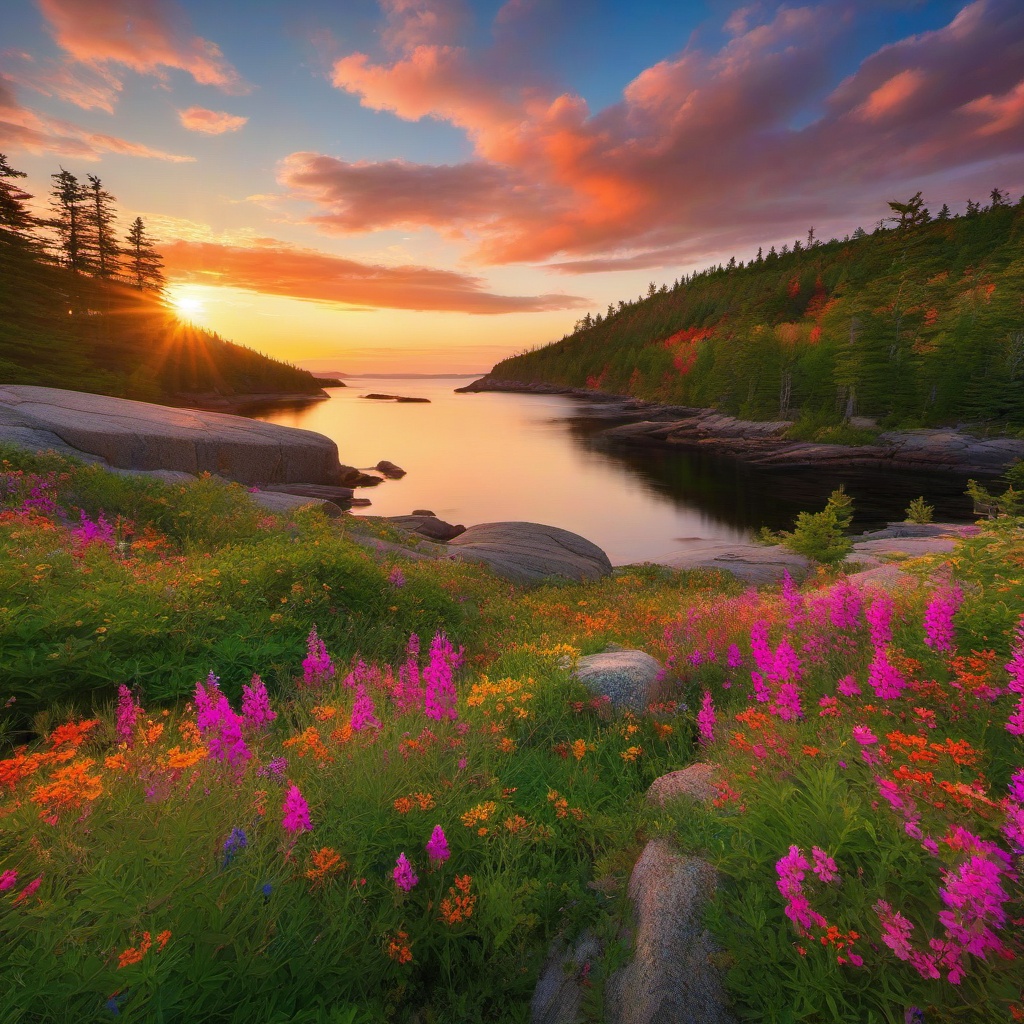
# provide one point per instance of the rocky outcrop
(396, 398)
(531, 552)
(558, 997)
(390, 470)
(426, 526)
(754, 563)
(672, 978)
(629, 679)
(281, 503)
(765, 443)
(140, 436)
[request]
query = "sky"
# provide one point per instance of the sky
(432, 185)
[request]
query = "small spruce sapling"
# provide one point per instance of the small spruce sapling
(919, 511)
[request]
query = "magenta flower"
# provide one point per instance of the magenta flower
(785, 663)
(396, 578)
(706, 719)
(295, 812)
(1015, 723)
(28, 891)
(760, 648)
(256, 709)
(733, 658)
(824, 866)
(8, 879)
(128, 713)
(896, 930)
(363, 710)
(761, 691)
(879, 616)
(846, 607)
(317, 666)
(847, 686)
(403, 874)
(787, 702)
(1016, 786)
(864, 736)
(791, 870)
(219, 725)
(1015, 666)
(938, 618)
(437, 846)
(438, 677)
(884, 678)
(89, 532)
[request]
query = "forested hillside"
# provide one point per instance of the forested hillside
(81, 308)
(919, 323)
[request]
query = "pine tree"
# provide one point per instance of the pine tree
(944, 212)
(999, 198)
(144, 262)
(100, 216)
(14, 216)
(910, 214)
(67, 198)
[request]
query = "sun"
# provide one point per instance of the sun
(186, 303)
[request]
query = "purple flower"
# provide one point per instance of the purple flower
(276, 767)
(938, 618)
(256, 709)
(884, 678)
(879, 616)
(706, 719)
(89, 532)
(234, 842)
(363, 711)
(219, 725)
(733, 658)
(396, 578)
(439, 700)
(824, 866)
(295, 811)
(404, 876)
(1015, 723)
(128, 713)
(437, 846)
(317, 666)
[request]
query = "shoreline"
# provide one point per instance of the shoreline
(762, 443)
(235, 404)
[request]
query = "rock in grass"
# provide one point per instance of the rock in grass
(531, 552)
(628, 678)
(696, 782)
(672, 978)
(558, 997)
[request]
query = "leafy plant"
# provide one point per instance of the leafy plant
(919, 511)
(821, 535)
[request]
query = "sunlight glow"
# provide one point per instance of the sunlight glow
(186, 303)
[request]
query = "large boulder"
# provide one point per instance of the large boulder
(138, 435)
(696, 782)
(672, 978)
(629, 679)
(558, 997)
(427, 526)
(530, 552)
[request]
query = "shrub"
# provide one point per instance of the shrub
(821, 535)
(919, 511)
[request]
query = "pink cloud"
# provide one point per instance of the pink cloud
(22, 129)
(146, 36)
(210, 122)
(276, 268)
(698, 144)
(88, 87)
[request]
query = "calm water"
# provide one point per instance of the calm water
(481, 458)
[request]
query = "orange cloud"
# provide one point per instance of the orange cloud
(146, 36)
(24, 129)
(1002, 113)
(88, 87)
(698, 143)
(210, 122)
(276, 268)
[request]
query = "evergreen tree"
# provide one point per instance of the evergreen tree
(910, 214)
(999, 198)
(973, 208)
(14, 215)
(67, 199)
(760, 256)
(944, 212)
(106, 252)
(145, 267)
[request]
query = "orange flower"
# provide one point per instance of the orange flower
(152, 732)
(189, 731)
(811, 751)
(480, 813)
(72, 733)
(309, 742)
(631, 753)
(458, 906)
(68, 787)
(579, 749)
(343, 733)
(323, 712)
(162, 939)
(399, 948)
(21, 766)
(259, 799)
(403, 805)
(179, 760)
(506, 745)
(326, 862)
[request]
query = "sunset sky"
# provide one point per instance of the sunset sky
(430, 185)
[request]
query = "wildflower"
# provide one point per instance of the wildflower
(1015, 723)
(706, 719)
(884, 677)
(276, 767)
(256, 709)
(761, 691)
(28, 892)
(760, 647)
(847, 687)
(791, 870)
(579, 749)
(458, 905)
(437, 846)
(399, 948)
(326, 862)
(402, 873)
(1016, 786)
(296, 812)
(317, 666)
(363, 715)
(219, 725)
(824, 866)
(787, 702)
(631, 753)
(879, 616)
(480, 813)
(396, 578)
(938, 618)
(733, 658)
(8, 879)
(438, 679)
(234, 842)
(162, 939)
(128, 713)
(266, 889)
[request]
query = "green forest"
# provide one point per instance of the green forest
(919, 323)
(83, 307)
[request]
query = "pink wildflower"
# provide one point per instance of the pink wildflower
(396, 578)
(787, 702)
(89, 532)
(28, 892)
(706, 719)
(437, 846)
(760, 647)
(1015, 723)
(761, 691)
(896, 930)
(1016, 786)
(975, 896)
(879, 616)
(792, 597)
(785, 663)
(884, 678)
(864, 736)
(403, 874)
(256, 707)
(128, 713)
(846, 606)
(317, 666)
(1015, 666)
(8, 879)
(219, 725)
(733, 658)
(439, 701)
(363, 715)
(295, 811)
(824, 866)
(938, 618)
(791, 870)
(847, 687)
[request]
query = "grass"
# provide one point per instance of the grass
(150, 906)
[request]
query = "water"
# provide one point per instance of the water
(478, 458)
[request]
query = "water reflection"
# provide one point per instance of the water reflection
(483, 457)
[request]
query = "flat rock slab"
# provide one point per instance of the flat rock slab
(672, 978)
(279, 503)
(138, 435)
(531, 552)
(427, 526)
(558, 997)
(628, 678)
(911, 547)
(884, 577)
(696, 782)
(753, 563)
